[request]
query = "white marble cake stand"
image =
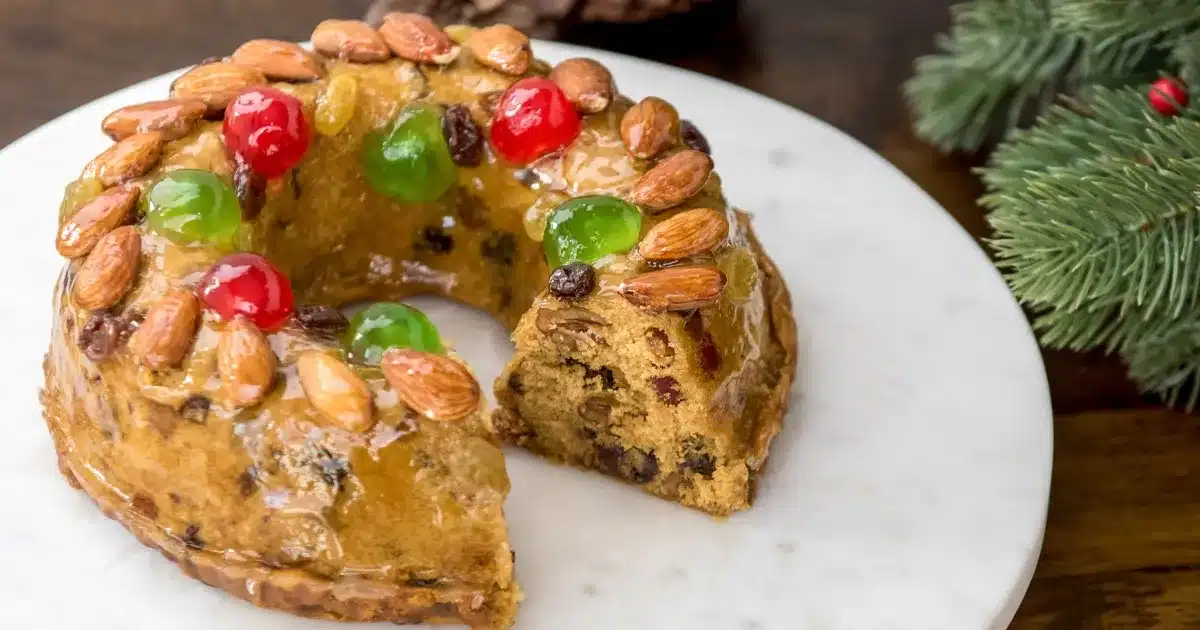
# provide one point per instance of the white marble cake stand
(908, 489)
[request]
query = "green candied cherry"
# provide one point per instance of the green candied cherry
(408, 159)
(190, 206)
(386, 325)
(586, 229)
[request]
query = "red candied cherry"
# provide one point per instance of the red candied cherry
(246, 284)
(533, 118)
(267, 130)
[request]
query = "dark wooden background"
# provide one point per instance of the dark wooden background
(1122, 547)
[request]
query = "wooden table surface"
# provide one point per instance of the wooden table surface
(1122, 547)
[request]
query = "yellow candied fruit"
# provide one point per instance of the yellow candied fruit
(335, 106)
(538, 213)
(460, 33)
(741, 271)
(78, 193)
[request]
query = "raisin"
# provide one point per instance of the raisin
(145, 506)
(500, 248)
(639, 466)
(100, 335)
(248, 482)
(573, 281)
(710, 356)
(251, 189)
(667, 389)
(191, 537)
(195, 409)
(609, 378)
(321, 318)
(515, 384)
(691, 136)
(436, 240)
(608, 458)
(697, 458)
(462, 136)
(469, 209)
(660, 347)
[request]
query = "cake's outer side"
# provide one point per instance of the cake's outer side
(684, 405)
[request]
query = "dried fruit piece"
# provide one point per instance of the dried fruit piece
(335, 106)
(248, 285)
(190, 206)
(587, 84)
(195, 409)
(673, 180)
(245, 362)
(94, 219)
(168, 330)
(462, 136)
(660, 347)
(216, 84)
(502, 48)
(414, 37)
(667, 389)
(267, 129)
(690, 134)
(675, 288)
(131, 157)
(572, 281)
(352, 40)
(323, 319)
(278, 60)
(649, 127)
(175, 118)
(108, 272)
(589, 228)
(433, 385)
(385, 325)
(250, 188)
(460, 33)
(533, 118)
(101, 334)
(686, 234)
(409, 160)
(335, 390)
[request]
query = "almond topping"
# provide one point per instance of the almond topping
(686, 234)
(414, 37)
(175, 118)
(352, 40)
(245, 362)
(167, 332)
(673, 181)
(675, 288)
(502, 48)
(335, 390)
(649, 127)
(278, 60)
(587, 84)
(216, 84)
(432, 385)
(108, 272)
(132, 157)
(97, 217)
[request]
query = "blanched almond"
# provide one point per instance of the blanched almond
(175, 118)
(675, 288)
(97, 217)
(131, 157)
(352, 40)
(414, 37)
(167, 332)
(335, 390)
(649, 127)
(216, 84)
(673, 181)
(108, 272)
(432, 385)
(283, 61)
(502, 48)
(245, 362)
(587, 84)
(686, 234)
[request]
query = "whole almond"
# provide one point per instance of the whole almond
(245, 362)
(168, 330)
(352, 40)
(649, 127)
(279, 60)
(175, 118)
(335, 390)
(673, 180)
(501, 48)
(432, 385)
(686, 234)
(587, 84)
(97, 217)
(216, 84)
(108, 272)
(131, 157)
(675, 288)
(414, 37)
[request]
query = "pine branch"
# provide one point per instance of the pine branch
(1127, 38)
(1168, 363)
(1185, 54)
(1000, 62)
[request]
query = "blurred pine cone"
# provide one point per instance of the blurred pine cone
(541, 18)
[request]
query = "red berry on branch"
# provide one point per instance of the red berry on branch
(267, 130)
(1168, 96)
(533, 118)
(246, 284)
